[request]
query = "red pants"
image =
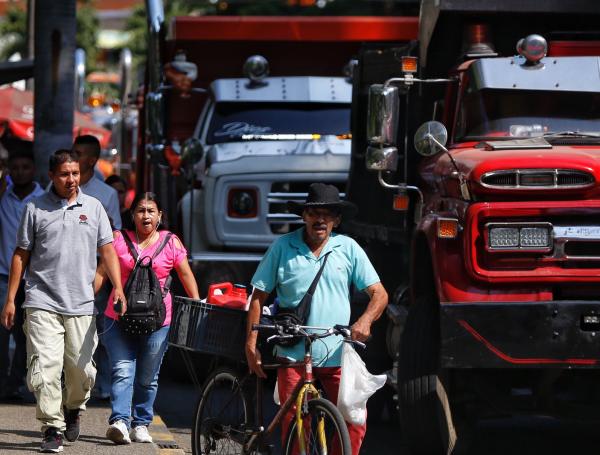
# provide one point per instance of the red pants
(329, 377)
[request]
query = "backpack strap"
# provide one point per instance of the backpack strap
(134, 252)
(129, 243)
(163, 244)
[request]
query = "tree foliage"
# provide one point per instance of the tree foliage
(87, 32)
(13, 32)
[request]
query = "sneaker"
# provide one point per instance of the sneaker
(140, 434)
(52, 442)
(72, 421)
(117, 433)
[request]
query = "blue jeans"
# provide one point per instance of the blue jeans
(102, 385)
(12, 378)
(135, 363)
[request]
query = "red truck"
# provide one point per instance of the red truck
(493, 248)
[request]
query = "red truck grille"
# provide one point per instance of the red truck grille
(574, 250)
(537, 178)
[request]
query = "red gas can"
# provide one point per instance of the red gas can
(232, 295)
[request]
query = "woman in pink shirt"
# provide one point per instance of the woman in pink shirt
(135, 359)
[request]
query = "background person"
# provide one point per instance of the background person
(120, 186)
(289, 266)
(59, 235)
(136, 359)
(13, 198)
(88, 149)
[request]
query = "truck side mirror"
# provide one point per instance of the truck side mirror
(382, 114)
(192, 151)
(154, 116)
(429, 137)
(381, 158)
(80, 79)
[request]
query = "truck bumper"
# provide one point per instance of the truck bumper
(551, 334)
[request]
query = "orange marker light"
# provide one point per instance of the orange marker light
(401, 202)
(409, 64)
(447, 228)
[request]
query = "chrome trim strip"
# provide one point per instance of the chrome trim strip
(283, 197)
(283, 218)
(225, 256)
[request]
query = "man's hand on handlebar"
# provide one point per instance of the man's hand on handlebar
(361, 330)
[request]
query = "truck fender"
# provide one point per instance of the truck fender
(423, 267)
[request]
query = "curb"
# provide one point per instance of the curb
(164, 442)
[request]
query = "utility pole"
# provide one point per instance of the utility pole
(54, 32)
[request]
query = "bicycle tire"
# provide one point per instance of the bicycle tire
(335, 428)
(222, 414)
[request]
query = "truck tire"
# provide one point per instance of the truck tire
(424, 408)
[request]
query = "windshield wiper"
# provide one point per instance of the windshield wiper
(560, 134)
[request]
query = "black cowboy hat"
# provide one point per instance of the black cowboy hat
(323, 196)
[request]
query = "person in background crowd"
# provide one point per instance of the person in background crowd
(136, 359)
(88, 149)
(13, 198)
(59, 237)
(120, 186)
(289, 266)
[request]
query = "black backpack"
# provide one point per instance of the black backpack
(146, 309)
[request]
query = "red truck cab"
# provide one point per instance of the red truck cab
(502, 303)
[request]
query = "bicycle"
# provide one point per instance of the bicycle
(223, 423)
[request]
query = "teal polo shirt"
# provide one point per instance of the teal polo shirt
(290, 267)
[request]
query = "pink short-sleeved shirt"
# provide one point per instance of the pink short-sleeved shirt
(170, 257)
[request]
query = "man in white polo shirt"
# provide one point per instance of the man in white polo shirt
(59, 236)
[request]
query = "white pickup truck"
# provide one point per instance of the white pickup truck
(264, 142)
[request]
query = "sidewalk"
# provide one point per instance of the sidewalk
(20, 433)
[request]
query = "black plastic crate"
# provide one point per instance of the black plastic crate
(207, 328)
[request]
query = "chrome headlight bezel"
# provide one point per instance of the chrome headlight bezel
(521, 228)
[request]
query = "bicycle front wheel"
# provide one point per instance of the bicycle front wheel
(325, 431)
(222, 415)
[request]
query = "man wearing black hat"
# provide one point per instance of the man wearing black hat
(290, 265)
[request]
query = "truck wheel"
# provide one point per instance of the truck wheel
(424, 407)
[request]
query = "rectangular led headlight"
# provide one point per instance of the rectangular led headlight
(519, 236)
(504, 237)
(534, 237)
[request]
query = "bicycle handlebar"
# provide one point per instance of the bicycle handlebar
(292, 330)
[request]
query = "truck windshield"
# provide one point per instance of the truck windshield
(234, 122)
(494, 113)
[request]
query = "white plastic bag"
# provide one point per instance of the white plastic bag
(356, 386)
